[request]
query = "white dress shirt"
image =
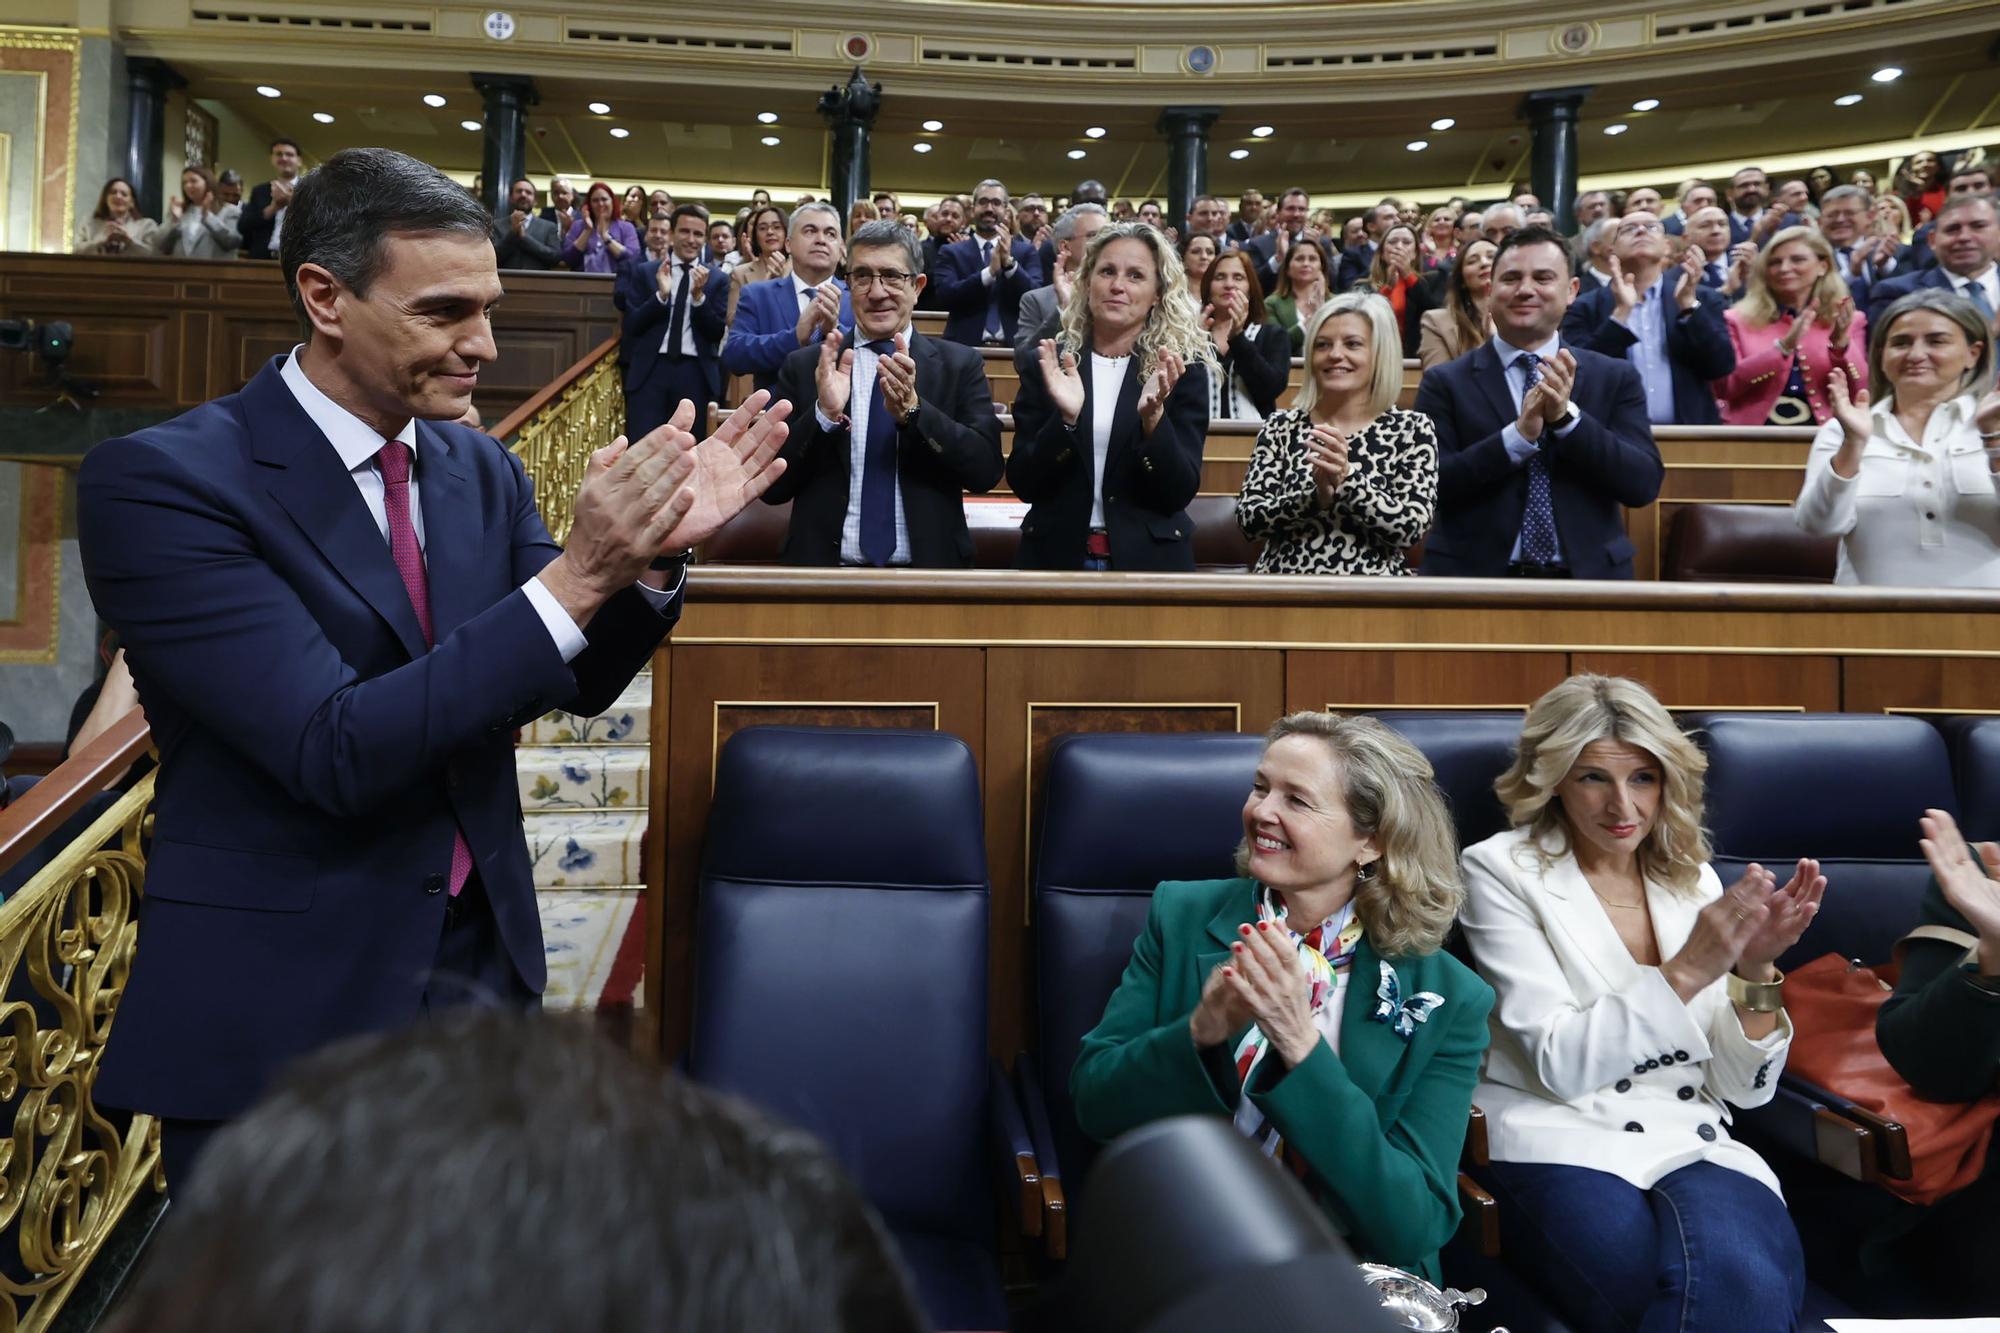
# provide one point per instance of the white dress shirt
(680, 266)
(358, 444)
(1519, 447)
(1107, 381)
(1915, 513)
(278, 220)
(861, 388)
(1987, 282)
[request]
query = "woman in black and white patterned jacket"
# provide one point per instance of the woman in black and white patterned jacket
(1345, 482)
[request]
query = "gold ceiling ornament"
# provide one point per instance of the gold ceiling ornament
(555, 444)
(67, 1173)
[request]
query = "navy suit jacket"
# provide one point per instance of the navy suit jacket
(1608, 459)
(963, 296)
(1885, 293)
(1699, 348)
(314, 756)
(766, 328)
(646, 319)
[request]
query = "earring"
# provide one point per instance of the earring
(1364, 872)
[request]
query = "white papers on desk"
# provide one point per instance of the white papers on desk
(994, 511)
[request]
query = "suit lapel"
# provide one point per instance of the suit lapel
(1491, 376)
(1371, 1050)
(1584, 923)
(453, 549)
(305, 477)
(1238, 909)
(926, 356)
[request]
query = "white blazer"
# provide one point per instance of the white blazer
(1595, 1061)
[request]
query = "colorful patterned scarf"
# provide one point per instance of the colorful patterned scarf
(1322, 952)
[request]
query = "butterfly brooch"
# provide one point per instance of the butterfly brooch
(1402, 1015)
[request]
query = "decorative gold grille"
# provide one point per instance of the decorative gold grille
(556, 442)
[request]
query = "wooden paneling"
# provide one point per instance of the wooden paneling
(1363, 681)
(1743, 680)
(1916, 684)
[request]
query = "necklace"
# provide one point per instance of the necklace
(1639, 906)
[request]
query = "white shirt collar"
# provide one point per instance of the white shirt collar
(352, 438)
(1984, 278)
(1509, 353)
(860, 344)
(800, 286)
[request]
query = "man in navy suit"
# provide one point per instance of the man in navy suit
(1660, 318)
(1538, 444)
(673, 323)
(1966, 241)
(982, 278)
(336, 607)
(1288, 228)
(776, 318)
(1749, 194)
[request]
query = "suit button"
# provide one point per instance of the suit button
(936, 448)
(434, 883)
(1707, 1133)
(1109, 498)
(1064, 456)
(1634, 1127)
(1680, 1055)
(1623, 1085)
(1685, 1094)
(1638, 1069)
(1652, 1064)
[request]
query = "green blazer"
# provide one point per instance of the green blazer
(1380, 1125)
(1285, 310)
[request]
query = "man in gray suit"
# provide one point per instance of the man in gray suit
(1041, 309)
(521, 239)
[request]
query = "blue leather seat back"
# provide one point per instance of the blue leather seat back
(1845, 788)
(1121, 813)
(1469, 751)
(841, 957)
(1974, 743)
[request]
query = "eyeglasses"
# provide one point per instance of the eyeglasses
(1639, 228)
(891, 279)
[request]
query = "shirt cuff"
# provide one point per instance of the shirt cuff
(661, 598)
(1519, 447)
(986, 276)
(568, 638)
(826, 423)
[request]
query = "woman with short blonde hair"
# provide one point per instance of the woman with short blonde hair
(1637, 1000)
(1794, 328)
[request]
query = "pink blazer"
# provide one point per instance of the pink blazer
(1747, 394)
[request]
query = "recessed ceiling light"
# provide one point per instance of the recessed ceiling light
(1263, 131)
(933, 125)
(1094, 132)
(767, 117)
(1886, 74)
(771, 141)
(1619, 128)
(921, 147)
(1076, 154)
(600, 108)
(1417, 145)
(1847, 99)
(322, 117)
(1647, 104)
(619, 131)
(433, 99)
(470, 125)
(266, 90)
(1443, 123)
(1239, 153)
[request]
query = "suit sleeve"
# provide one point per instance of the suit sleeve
(644, 310)
(1431, 349)
(752, 347)
(541, 250)
(796, 385)
(1466, 468)
(1617, 455)
(1264, 365)
(711, 316)
(1174, 448)
(1589, 325)
(1038, 320)
(1700, 341)
(1826, 506)
(1045, 450)
(1278, 493)
(1027, 274)
(965, 443)
(1941, 1030)
(959, 289)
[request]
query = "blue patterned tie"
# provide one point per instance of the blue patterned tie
(1975, 291)
(1538, 520)
(878, 471)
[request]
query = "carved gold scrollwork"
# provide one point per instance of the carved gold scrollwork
(556, 443)
(67, 1172)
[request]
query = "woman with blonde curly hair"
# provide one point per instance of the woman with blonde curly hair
(1638, 998)
(1238, 1002)
(1794, 328)
(1110, 421)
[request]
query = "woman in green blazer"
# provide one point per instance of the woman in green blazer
(1364, 1090)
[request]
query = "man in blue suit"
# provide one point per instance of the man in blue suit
(673, 324)
(1966, 240)
(1538, 444)
(336, 608)
(982, 278)
(1659, 317)
(776, 318)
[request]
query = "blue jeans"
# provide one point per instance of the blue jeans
(1706, 1248)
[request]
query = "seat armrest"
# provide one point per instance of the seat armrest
(1803, 1125)
(1055, 1208)
(1891, 1140)
(1475, 1138)
(1482, 1216)
(1019, 1171)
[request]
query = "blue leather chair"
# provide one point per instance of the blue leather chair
(1469, 750)
(1974, 743)
(840, 955)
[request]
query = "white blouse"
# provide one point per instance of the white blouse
(1107, 381)
(1916, 513)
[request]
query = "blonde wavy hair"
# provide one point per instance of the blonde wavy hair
(1590, 708)
(1759, 308)
(1173, 323)
(1408, 904)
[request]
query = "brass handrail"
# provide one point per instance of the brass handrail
(557, 430)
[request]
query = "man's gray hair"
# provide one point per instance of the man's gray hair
(998, 185)
(1594, 233)
(1065, 226)
(1839, 192)
(884, 234)
(1954, 203)
(792, 228)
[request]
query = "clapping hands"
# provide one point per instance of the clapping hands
(1167, 372)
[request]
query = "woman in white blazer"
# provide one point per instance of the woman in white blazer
(1637, 1000)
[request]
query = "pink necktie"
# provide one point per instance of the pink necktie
(394, 460)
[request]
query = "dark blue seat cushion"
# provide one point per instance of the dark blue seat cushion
(1974, 743)
(1469, 751)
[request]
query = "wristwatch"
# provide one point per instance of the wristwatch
(909, 418)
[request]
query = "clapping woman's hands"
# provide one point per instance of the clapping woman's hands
(1791, 909)
(1721, 930)
(1264, 971)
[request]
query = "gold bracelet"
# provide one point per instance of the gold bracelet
(1757, 997)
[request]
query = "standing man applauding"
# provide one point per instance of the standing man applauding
(777, 317)
(901, 426)
(337, 606)
(982, 278)
(673, 322)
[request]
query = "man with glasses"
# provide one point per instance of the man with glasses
(889, 428)
(1659, 317)
(981, 279)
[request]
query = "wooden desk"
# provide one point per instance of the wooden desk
(1009, 660)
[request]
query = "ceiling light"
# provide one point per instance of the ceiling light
(1847, 99)
(1417, 145)
(619, 131)
(1443, 123)
(1647, 104)
(433, 99)
(921, 147)
(1886, 74)
(767, 117)
(1076, 154)
(933, 125)
(771, 141)
(1094, 132)
(266, 90)
(1239, 153)
(1619, 128)
(322, 117)
(472, 125)
(600, 108)
(1263, 132)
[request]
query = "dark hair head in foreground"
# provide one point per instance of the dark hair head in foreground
(487, 1172)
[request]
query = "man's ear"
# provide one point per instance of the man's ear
(320, 293)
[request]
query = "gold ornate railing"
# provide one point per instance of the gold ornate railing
(68, 1172)
(556, 431)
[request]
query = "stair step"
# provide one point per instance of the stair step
(581, 934)
(585, 849)
(582, 777)
(626, 722)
